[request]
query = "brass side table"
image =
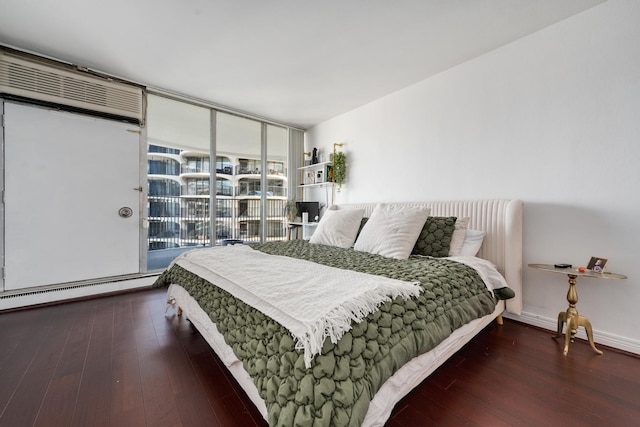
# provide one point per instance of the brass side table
(571, 316)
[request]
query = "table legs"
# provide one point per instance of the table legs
(573, 319)
(573, 323)
(291, 228)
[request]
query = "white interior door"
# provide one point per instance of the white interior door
(66, 177)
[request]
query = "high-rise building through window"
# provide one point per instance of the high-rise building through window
(249, 189)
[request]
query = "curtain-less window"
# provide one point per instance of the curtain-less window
(199, 157)
(239, 140)
(178, 190)
(277, 179)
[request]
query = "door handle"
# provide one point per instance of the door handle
(125, 212)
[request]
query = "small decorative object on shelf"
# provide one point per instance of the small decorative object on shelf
(309, 177)
(328, 172)
(339, 170)
(314, 156)
(597, 264)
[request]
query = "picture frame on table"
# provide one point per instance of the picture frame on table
(596, 264)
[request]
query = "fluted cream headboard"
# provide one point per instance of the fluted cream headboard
(500, 219)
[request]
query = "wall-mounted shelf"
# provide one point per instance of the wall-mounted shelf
(316, 174)
(311, 174)
(321, 184)
(316, 165)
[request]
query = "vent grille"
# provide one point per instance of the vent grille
(42, 82)
(46, 291)
(70, 286)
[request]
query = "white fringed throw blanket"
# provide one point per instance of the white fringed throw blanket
(311, 300)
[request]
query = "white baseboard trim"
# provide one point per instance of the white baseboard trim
(600, 337)
(30, 298)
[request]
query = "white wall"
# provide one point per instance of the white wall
(552, 119)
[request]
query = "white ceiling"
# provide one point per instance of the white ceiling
(299, 62)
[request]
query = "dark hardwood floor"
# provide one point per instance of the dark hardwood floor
(121, 361)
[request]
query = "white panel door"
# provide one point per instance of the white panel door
(66, 177)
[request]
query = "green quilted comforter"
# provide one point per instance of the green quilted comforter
(337, 388)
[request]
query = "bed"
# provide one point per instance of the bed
(354, 373)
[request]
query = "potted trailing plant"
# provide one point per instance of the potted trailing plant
(339, 168)
(291, 210)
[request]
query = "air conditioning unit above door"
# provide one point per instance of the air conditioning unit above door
(45, 81)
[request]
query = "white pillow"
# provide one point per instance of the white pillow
(472, 242)
(338, 228)
(392, 230)
(457, 239)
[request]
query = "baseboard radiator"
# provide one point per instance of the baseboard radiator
(66, 291)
